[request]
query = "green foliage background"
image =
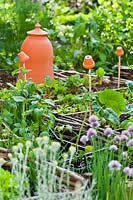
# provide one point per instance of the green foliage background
(75, 28)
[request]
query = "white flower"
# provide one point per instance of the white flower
(65, 156)
(38, 151)
(2, 162)
(45, 139)
(20, 156)
(28, 144)
(15, 149)
(72, 150)
(39, 140)
(55, 146)
(55, 163)
(20, 145)
(14, 161)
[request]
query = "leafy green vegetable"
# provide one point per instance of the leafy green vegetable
(100, 72)
(112, 99)
(130, 86)
(8, 185)
(18, 98)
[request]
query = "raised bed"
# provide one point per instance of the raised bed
(107, 81)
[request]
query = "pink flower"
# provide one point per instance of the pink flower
(123, 138)
(126, 133)
(131, 172)
(130, 130)
(91, 132)
(117, 138)
(113, 147)
(108, 131)
(130, 143)
(84, 139)
(126, 170)
(114, 165)
(93, 118)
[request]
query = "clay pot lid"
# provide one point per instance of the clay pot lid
(37, 31)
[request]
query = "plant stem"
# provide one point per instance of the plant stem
(81, 128)
(24, 73)
(119, 70)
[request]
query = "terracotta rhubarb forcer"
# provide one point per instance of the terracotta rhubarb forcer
(40, 52)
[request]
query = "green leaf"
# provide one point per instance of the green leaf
(111, 116)
(47, 80)
(18, 98)
(44, 133)
(79, 30)
(27, 136)
(38, 113)
(100, 72)
(112, 99)
(50, 102)
(69, 128)
(16, 71)
(102, 56)
(130, 86)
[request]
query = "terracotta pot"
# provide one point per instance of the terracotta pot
(40, 52)
(88, 62)
(119, 51)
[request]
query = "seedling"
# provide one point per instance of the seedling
(100, 73)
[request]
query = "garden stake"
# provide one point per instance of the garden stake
(119, 53)
(23, 57)
(90, 104)
(89, 64)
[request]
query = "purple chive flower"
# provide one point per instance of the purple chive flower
(123, 138)
(40, 1)
(114, 165)
(108, 131)
(84, 139)
(113, 148)
(117, 138)
(126, 170)
(95, 124)
(131, 172)
(130, 143)
(93, 118)
(130, 130)
(126, 133)
(91, 132)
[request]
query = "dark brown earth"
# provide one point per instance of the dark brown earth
(108, 82)
(5, 78)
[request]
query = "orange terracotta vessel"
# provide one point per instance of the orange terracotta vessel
(119, 51)
(88, 62)
(40, 52)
